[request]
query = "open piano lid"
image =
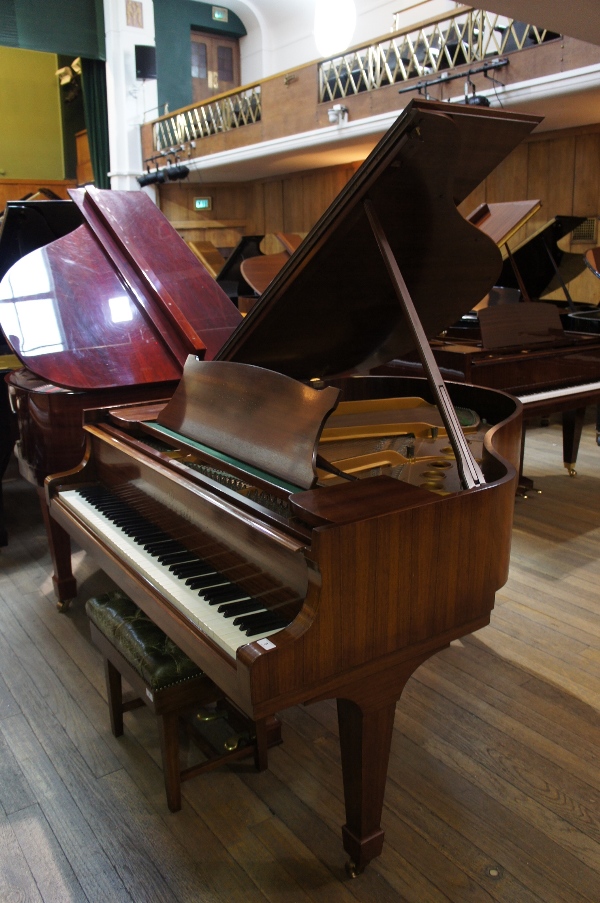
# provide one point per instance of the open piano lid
(531, 256)
(119, 301)
(332, 309)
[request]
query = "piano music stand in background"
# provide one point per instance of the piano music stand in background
(591, 258)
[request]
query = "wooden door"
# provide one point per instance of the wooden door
(215, 65)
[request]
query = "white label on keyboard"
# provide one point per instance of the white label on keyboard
(266, 644)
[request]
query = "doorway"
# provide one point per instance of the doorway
(215, 65)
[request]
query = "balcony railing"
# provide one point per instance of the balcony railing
(468, 36)
(431, 48)
(231, 111)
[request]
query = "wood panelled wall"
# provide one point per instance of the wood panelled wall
(561, 168)
(291, 203)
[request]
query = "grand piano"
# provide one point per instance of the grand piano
(526, 347)
(104, 315)
(24, 226)
(301, 530)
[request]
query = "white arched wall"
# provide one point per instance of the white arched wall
(279, 37)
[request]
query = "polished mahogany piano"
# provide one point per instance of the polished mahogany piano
(24, 226)
(301, 530)
(105, 315)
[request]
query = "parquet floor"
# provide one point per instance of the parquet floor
(493, 791)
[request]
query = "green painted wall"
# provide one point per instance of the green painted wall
(72, 27)
(31, 143)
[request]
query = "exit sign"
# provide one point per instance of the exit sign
(220, 14)
(202, 203)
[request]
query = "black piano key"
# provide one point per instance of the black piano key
(241, 607)
(201, 583)
(192, 569)
(224, 594)
(264, 626)
(165, 544)
(178, 557)
(143, 531)
(162, 547)
(260, 619)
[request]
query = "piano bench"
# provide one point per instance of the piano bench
(169, 683)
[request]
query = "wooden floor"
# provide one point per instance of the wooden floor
(493, 790)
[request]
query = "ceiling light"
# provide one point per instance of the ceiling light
(335, 21)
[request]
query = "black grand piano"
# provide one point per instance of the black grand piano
(326, 514)
(523, 345)
(25, 225)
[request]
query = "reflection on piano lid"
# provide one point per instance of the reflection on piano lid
(105, 315)
(245, 466)
(120, 301)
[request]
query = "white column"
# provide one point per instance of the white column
(130, 101)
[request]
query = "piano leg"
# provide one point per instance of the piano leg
(8, 435)
(572, 425)
(59, 542)
(525, 484)
(365, 740)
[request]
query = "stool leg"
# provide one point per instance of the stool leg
(168, 728)
(115, 697)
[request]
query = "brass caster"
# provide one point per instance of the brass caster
(352, 870)
(572, 472)
(64, 605)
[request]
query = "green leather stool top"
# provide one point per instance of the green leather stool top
(148, 650)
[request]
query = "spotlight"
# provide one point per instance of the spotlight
(176, 172)
(477, 100)
(474, 100)
(151, 178)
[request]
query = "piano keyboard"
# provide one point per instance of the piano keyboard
(221, 609)
(549, 394)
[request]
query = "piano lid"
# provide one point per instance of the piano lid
(119, 301)
(531, 256)
(332, 309)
